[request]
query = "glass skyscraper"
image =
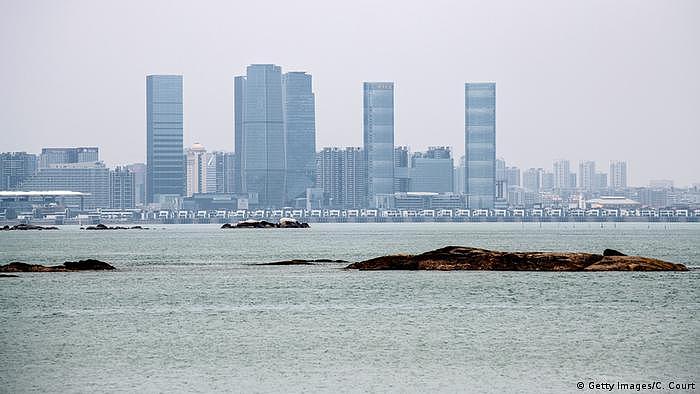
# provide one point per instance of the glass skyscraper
(480, 144)
(378, 138)
(299, 133)
(260, 133)
(165, 171)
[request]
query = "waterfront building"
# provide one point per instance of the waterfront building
(480, 144)
(562, 175)
(378, 138)
(197, 166)
(432, 171)
(15, 168)
(299, 133)
(165, 164)
(618, 174)
(139, 172)
(121, 189)
(260, 141)
(402, 162)
(341, 175)
(51, 156)
(91, 178)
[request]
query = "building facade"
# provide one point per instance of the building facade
(378, 138)
(92, 178)
(432, 171)
(197, 166)
(587, 176)
(51, 156)
(480, 144)
(618, 174)
(341, 175)
(165, 166)
(139, 171)
(121, 189)
(299, 133)
(15, 168)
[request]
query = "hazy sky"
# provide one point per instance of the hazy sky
(581, 80)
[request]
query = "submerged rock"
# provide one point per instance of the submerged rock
(303, 262)
(612, 252)
(22, 226)
(68, 266)
(104, 227)
(8, 276)
(464, 258)
(283, 223)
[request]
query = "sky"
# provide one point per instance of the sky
(581, 80)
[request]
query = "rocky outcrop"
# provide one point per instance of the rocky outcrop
(612, 252)
(22, 226)
(303, 262)
(68, 266)
(104, 227)
(464, 258)
(283, 223)
(8, 276)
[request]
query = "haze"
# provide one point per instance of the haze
(582, 80)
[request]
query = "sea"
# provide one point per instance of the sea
(188, 310)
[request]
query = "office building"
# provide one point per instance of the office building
(139, 172)
(532, 179)
(341, 175)
(512, 176)
(51, 156)
(587, 176)
(197, 166)
(402, 161)
(165, 165)
(480, 144)
(15, 168)
(121, 189)
(618, 175)
(259, 132)
(88, 177)
(378, 138)
(299, 133)
(432, 171)
(562, 175)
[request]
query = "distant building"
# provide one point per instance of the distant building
(260, 141)
(532, 179)
(587, 176)
(121, 189)
(548, 181)
(139, 171)
(165, 166)
(402, 162)
(618, 175)
(342, 177)
(601, 181)
(92, 178)
(378, 137)
(51, 156)
(562, 175)
(480, 144)
(416, 201)
(299, 133)
(197, 166)
(661, 184)
(224, 173)
(513, 176)
(432, 171)
(15, 168)
(613, 202)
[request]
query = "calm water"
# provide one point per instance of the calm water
(185, 313)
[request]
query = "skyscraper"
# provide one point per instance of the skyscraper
(618, 174)
(121, 189)
(562, 174)
(341, 176)
(165, 167)
(51, 156)
(299, 133)
(15, 167)
(378, 138)
(402, 162)
(260, 133)
(587, 176)
(532, 179)
(480, 144)
(197, 166)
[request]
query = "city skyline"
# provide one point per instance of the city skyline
(574, 93)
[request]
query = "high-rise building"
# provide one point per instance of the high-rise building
(341, 175)
(121, 189)
(548, 181)
(532, 179)
(261, 144)
(197, 166)
(15, 167)
(139, 172)
(601, 181)
(165, 166)
(238, 98)
(378, 138)
(513, 176)
(87, 177)
(562, 175)
(432, 171)
(299, 133)
(480, 144)
(618, 174)
(587, 176)
(51, 156)
(226, 172)
(402, 162)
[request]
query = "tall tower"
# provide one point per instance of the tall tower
(480, 144)
(299, 133)
(378, 103)
(197, 169)
(165, 174)
(262, 153)
(618, 174)
(587, 176)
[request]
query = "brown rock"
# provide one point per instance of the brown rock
(464, 258)
(68, 266)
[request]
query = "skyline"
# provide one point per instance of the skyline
(559, 76)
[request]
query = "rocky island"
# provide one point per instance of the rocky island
(23, 227)
(105, 227)
(464, 258)
(283, 223)
(68, 266)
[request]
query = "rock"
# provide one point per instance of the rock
(250, 223)
(464, 258)
(303, 262)
(8, 276)
(104, 227)
(612, 252)
(23, 226)
(68, 266)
